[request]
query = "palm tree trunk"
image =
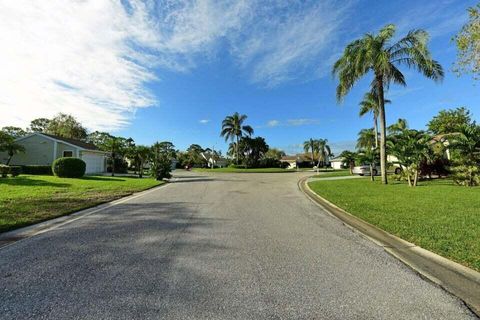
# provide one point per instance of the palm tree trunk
(236, 149)
(383, 131)
(9, 159)
(113, 164)
(372, 177)
(415, 179)
(375, 128)
(313, 159)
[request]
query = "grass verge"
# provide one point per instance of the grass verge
(436, 215)
(26, 200)
(331, 174)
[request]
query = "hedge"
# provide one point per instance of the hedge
(37, 170)
(12, 170)
(69, 167)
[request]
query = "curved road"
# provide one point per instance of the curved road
(222, 246)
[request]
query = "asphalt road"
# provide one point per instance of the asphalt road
(227, 246)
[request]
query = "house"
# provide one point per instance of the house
(298, 160)
(337, 163)
(43, 149)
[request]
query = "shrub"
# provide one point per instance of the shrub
(69, 167)
(15, 170)
(466, 175)
(4, 170)
(37, 170)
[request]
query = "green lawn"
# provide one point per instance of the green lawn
(331, 173)
(28, 199)
(436, 215)
(235, 170)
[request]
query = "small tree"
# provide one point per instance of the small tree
(349, 159)
(410, 147)
(141, 154)
(466, 162)
(8, 144)
(162, 154)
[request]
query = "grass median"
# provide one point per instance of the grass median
(436, 215)
(26, 200)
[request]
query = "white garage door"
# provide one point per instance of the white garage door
(94, 161)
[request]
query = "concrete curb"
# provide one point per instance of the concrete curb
(11, 237)
(455, 278)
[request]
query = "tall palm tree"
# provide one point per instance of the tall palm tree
(233, 128)
(398, 126)
(309, 145)
(376, 54)
(369, 104)
(323, 150)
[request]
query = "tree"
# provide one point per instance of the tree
(376, 54)
(99, 139)
(466, 161)
(309, 145)
(349, 158)
(253, 149)
(398, 126)
(194, 155)
(8, 145)
(369, 104)
(366, 145)
(274, 153)
(323, 150)
(39, 125)
(468, 45)
(450, 121)
(141, 155)
(233, 129)
(65, 125)
(14, 132)
(162, 154)
(410, 147)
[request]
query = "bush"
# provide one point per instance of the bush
(4, 170)
(15, 171)
(69, 167)
(37, 170)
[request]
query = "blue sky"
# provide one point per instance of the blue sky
(172, 70)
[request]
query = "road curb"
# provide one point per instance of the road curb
(453, 277)
(10, 237)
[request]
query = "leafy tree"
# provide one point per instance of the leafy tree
(410, 147)
(376, 54)
(8, 145)
(349, 159)
(466, 163)
(253, 149)
(39, 125)
(99, 139)
(162, 154)
(309, 145)
(14, 132)
(450, 121)
(274, 153)
(369, 104)
(115, 146)
(233, 129)
(141, 155)
(194, 155)
(64, 125)
(468, 45)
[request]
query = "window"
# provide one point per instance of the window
(68, 153)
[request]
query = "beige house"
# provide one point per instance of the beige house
(43, 149)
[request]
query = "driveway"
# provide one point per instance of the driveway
(221, 246)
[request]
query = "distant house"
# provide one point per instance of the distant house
(337, 163)
(43, 149)
(296, 160)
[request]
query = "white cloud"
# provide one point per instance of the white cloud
(273, 123)
(204, 121)
(302, 122)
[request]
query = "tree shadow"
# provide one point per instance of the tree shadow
(31, 182)
(98, 178)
